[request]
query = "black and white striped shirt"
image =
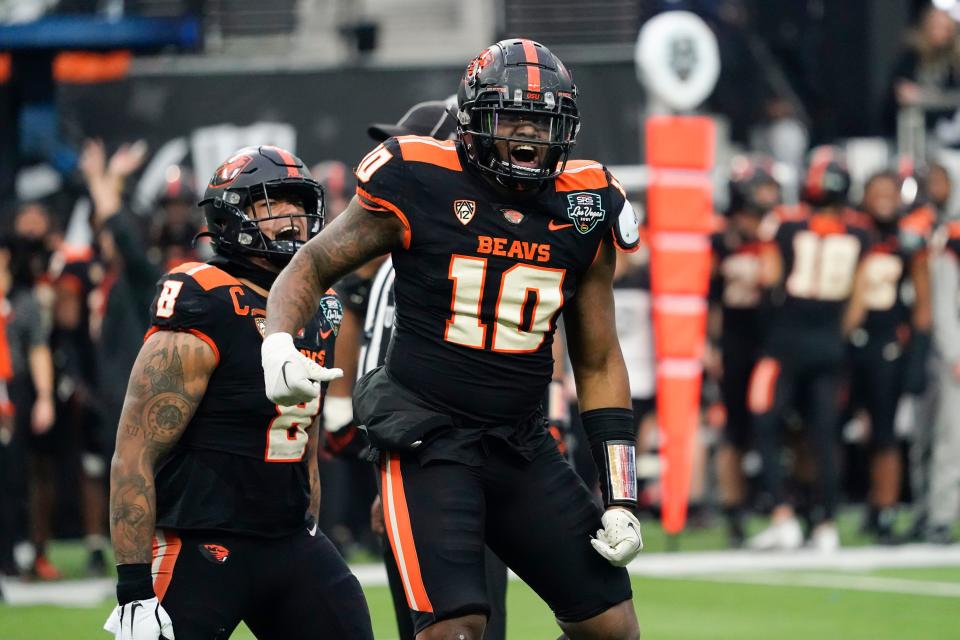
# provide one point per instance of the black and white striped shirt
(378, 325)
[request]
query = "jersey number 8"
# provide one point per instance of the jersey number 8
(287, 433)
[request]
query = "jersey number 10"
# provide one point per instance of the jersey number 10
(525, 291)
(823, 266)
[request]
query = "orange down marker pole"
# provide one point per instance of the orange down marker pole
(680, 154)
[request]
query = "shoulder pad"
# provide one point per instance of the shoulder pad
(919, 222)
(205, 275)
(858, 219)
(189, 298)
(421, 149)
(786, 213)
(582, 174)
(626, 229)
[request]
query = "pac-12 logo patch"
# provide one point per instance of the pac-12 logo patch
(332, 311)
(464, 210)
(585, 210)
(215, 553)
(261, 323)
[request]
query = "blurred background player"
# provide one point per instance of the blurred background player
(736, 325)
(889, 350)
(215, 490)
(809, 270)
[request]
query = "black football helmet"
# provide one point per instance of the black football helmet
(753, 189)
(522, 79)
(252, 174)
(827, 182)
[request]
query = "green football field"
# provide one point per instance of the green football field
(667, 608)
(805, 603)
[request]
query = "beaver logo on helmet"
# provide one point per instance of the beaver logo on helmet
(229, 170)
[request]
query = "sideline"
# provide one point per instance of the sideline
(770, 568)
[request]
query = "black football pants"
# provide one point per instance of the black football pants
(779, 385)
(291, 588)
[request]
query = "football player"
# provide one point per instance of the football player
(736, 326)
(214, 490)
(810, 269)
(492, 237)
(892, 344)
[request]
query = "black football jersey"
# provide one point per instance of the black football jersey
(889, 291)
(482, 275)
(820, 259)
(736, 287)
(239, 465)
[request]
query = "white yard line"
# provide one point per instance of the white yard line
(854, 559)
(840, 581)
(716, 566)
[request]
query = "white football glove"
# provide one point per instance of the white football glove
(290, 376)
(619, 541)
(140, 620)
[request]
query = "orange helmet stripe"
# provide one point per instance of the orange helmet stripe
(533, 71)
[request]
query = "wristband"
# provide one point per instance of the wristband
(612, 442)
(134, 582)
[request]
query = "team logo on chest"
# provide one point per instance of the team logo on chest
(513, 216)
(585, 210)
(464, 210)
(261, 323)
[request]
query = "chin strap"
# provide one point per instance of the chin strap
(242, 268)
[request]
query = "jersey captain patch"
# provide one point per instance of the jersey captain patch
(585, 210)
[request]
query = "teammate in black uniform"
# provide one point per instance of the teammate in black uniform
(492, 237)
(214, 489)
(812, 266)
(736, 296)
(895, 334)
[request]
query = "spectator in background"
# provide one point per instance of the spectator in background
(9, 455)
(938, 189)
(176, 221)
(929, 64)
(78, 417)
(338, 185)
(31, 387)
(944, 498)
(121, 304)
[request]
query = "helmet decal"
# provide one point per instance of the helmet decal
(229, 170)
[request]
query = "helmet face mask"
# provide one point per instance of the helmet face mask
(240, 200)
(518, 117)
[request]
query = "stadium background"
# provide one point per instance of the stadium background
(313, 74)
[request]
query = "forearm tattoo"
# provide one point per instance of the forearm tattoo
(354, 238)
(166, 385)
